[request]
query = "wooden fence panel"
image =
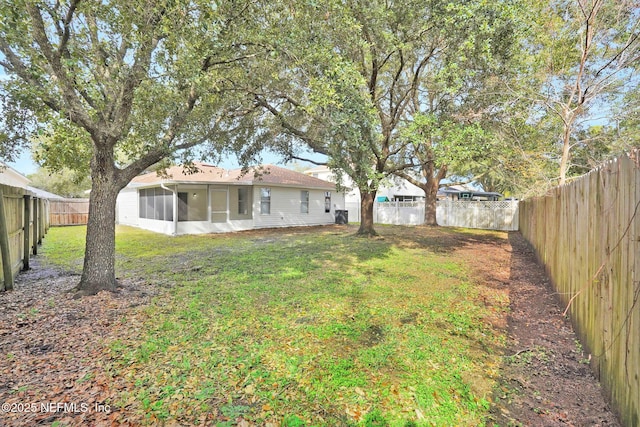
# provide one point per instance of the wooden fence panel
(14, 207)
(587, 234)
(68, 212)
(15, 217)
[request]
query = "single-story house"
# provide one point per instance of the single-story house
(216, 200)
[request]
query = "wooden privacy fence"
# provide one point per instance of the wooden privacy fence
(24, 220)
(69, 211)
(587, 234)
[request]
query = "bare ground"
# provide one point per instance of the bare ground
(52, 346)
(546, 380)
(52, 349)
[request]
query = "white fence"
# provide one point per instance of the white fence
(485, 215)
(397, 213)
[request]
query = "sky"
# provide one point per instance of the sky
(25, 164)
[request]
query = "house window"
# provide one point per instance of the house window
(243, 201)
(402, 198)
(327, 201)
(156, 203)
(265, 201)
(304, 201)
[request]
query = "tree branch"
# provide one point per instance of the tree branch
(75, 109)
(402, 174)
(315, 144)
(16, 65)
(315, 162)
(66, 28)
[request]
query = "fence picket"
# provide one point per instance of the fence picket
(587, 234)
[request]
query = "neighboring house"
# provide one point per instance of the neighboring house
(400, 190)
(394, 189)
(217, 200)
(463, 192)
(10, 176)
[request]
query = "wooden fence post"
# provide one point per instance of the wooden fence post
(27, 232)
(4, 248)
(43, 212)
(35, 226)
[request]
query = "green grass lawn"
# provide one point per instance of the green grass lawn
(303, 327)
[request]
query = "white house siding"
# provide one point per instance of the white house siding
(204, 227)
(396, 187)
(164, 227)
(127, 207)
(285, 207)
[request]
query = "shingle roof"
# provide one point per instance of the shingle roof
(265, 174)
(206, 173)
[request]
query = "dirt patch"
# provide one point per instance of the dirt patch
(373, 335)
(51, 347)
(545, 379)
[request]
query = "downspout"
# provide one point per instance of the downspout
(175, 207)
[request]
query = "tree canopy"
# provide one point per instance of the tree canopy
(65, 182)
(507, 93)
(114, 87)
(363, 70)
(586, 54)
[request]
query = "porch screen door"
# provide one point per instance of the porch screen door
(219, 208)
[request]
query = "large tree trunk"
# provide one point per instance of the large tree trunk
(366, 213)
(430, 205)
(431, 196)
(98, 273)
(430, 189)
